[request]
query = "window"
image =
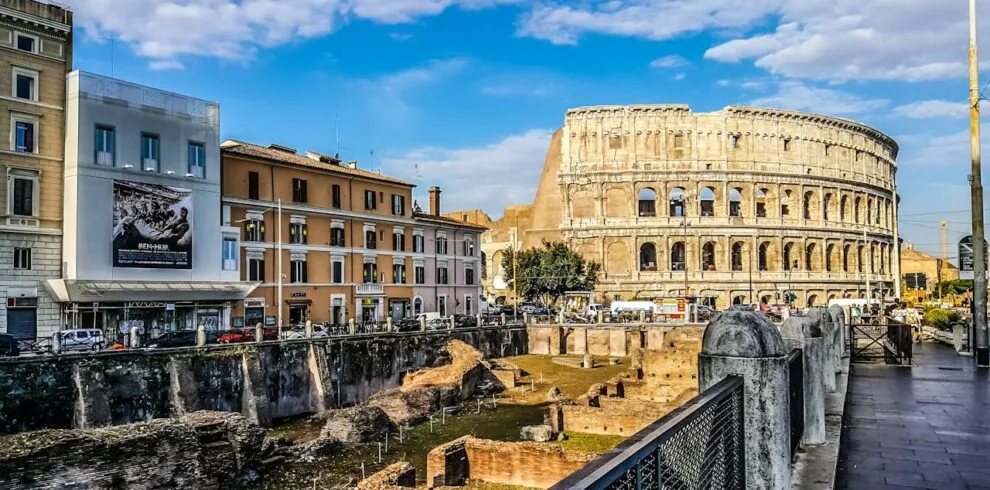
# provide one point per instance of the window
(229, 254)
(370, 272)
(469, 276)
(25, 84)
(298, 233)
(808, 196)
(736, 257)
(785, 201)
(398, 274)
(708, 256)
(254, 230)
(297, 271)
(677, 257)
(418, 243)
(335, 196)
(708, 201)
(25, 134)
(23, 187)
(469, 248)
(337, 236)
(150, 152)
(298, 190)
(253, 185)
(442, 305)
(468, 310)
(734, 141)
(442, 245)
(369, 200)
(787, 145)
(398, 205)
(370, 241)
(337, 270)
(105, 146)
(648, 257)
(647, 203)
(197, 160)
(735, 202)
(828, 149)
(417, 306)
(420, 274)
(256, 269)
(442, 275)
(399, 242)
(27, 43)
(678, 141)
(761, 203)
(762, 261)
(22, 258)
(677, 202)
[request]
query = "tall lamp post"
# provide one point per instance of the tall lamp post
(982, 352)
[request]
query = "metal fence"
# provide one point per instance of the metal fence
(884, 339)
(795, 365)
(700, 445)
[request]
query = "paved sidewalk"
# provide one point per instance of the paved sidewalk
(926, 426)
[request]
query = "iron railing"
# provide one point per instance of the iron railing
(882, 338)
(700, 445)
(795, 366)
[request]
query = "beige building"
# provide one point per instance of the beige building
(741, 204)
(35, 56)
(914, 261)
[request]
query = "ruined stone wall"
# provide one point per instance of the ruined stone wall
(613, 416)
(261, 381)
(607, 339)
(525, 464)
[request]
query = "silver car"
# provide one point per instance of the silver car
(80, 339)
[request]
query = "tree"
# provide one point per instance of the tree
(547, 272)
(957, 286)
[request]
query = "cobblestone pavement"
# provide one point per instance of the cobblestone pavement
(926, 426)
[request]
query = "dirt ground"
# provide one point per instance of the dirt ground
(542, 374)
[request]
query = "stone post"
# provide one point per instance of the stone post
(201, 335)
(422, 323)
(957, 336)
(741, 342)
(135, 338)
(805, 333)
(839, 342)
(309, 329)
(601, 317)
(259, 332)
(823, 319)
(560, 316)
(351, 327)
(478, 319)
(503, 318)
(388, 324)
(525, 318)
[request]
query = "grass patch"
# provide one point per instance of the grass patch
(590, 443)
(572, 381)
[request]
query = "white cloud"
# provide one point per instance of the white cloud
(933, 108)
(680, 76)
(946, 149)
(166, 30)
(798, 96)
(669, 61)
(400, 36)
(166, 65)
(388, 93)
(487, 177)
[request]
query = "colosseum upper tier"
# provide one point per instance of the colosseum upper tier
(741, 203)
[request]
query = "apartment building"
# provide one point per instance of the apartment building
(143, 244)
(346, 236)
(448, 267)
(35, 56)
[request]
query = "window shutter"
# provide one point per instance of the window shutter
(305, 272)
(305, 233)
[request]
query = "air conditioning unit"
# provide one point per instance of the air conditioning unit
(104, 158)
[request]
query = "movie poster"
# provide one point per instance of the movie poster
(152, 226)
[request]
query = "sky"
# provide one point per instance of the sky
(464, 94)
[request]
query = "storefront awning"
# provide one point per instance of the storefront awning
(74, 291)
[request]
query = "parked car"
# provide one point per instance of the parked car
(8, 346)
(407, 325)
(465, 321)
(534, 309)
(80, 339)
(180, 338)
(704, 313)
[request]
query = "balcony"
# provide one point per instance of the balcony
(370, 289)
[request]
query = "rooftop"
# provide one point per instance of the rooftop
(289, 156)
(448, 221)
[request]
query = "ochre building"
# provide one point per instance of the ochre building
(741, 204)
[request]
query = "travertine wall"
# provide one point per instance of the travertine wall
(744, 192)
(523, 464)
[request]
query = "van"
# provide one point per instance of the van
(619, 307)
(79, 339)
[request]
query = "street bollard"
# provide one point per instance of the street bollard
(478, 319)
(525, 318)
(201, 335)
(823, 318)
(388, 324)
(805, 333)
(351, 327)
(135, 338)
(309, 329)
(259, 333)
(741, 342)
(422, 323)
(839, 339)
(503, 318)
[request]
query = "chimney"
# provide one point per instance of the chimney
(352, 164)
(434, 200)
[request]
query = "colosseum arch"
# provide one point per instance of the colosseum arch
(812, 300)
(831, 257)
(647, 202)
(617, 258)
(617, 202)
(827, 202)
(785, 204)
(860, 264)
(648, 257)
(496, 264)
(583, 203)
(678, 202)
(678, 256)
(707, 200)
(812, 258)
(843, 212)
(736, 256)
(763, 257)
(709, 261)
(857, 204)
(845, 257)
(735, 201)
(809, 207)
(790, 256)
(761, 203)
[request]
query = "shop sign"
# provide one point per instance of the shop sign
(169, 306)
(298, 294)
(270, 320)
(369, 302)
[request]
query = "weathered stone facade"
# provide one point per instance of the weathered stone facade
(741, 203)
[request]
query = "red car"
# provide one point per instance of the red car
(246, 335)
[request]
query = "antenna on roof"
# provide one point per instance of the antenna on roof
(336, 128)
(113, 49)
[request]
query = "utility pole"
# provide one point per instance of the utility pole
(982, 352)
(278, 250)
(515, 278)
(866, 269)
(944, 251)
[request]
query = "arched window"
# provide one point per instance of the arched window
(708, 201)
(809, 257)
(737, 259)
(873, 258)
(677, 202)
(761, 203)
(826, 203)
(806, 205)
(787, 256)
(647, 202)
(735, 202)
(677, 256)
(417, 306)
(765, 299)
(708, 256)
(845, 259)
(869, 211)
(859, 259)
(828, 257)
(785, 204)
(762, 262)
(648, 257)
(738, 300)
(812, 300)
(856, 204)
(843, 202)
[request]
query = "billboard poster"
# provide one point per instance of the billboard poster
(152, 226)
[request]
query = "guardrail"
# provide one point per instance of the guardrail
(795, 392)
(698, 445)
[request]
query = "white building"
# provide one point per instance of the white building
(143, 243)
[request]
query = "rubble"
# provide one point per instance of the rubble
(357, 424)
(537, 433)
(394, 476)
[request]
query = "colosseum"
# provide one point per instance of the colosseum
(738, 205)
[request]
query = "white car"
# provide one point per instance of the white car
(80, 339)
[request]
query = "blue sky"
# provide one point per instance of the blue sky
(465, 93)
